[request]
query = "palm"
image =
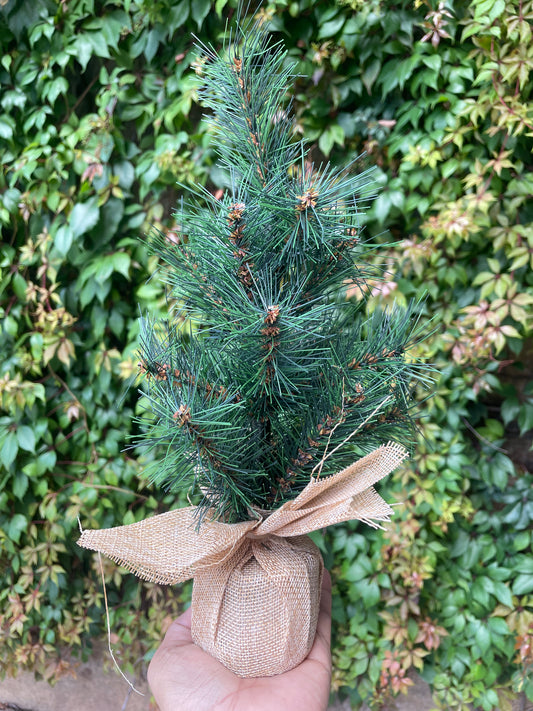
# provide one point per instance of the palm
(182, 676)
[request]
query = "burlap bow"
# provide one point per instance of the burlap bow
(258, 572)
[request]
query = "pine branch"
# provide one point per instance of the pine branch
(245, 86)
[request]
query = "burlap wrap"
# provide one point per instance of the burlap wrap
(256, 589)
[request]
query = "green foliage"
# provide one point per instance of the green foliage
(441, 99)
(95, 130)
(99, 120)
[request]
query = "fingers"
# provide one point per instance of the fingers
(320, 651)
(179, 632)
(171, 656)
(324, 618)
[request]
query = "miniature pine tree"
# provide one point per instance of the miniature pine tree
(284, 378)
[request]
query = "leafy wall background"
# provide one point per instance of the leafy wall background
(99, 121)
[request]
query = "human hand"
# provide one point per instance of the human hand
(183, 677)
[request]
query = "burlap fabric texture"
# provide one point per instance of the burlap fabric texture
(256, 590)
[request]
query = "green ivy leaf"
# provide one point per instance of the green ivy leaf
(46, 461)
(178, 14)
(98, 43)
(121, 263)
(498, 625)
(8, 449)
(405, 68)
(63, 239)
(359, 569)
(110, 216)
(54, 88)
(84, 216)
(370, 74)
(332, 27)
(153, 39)
(17, 525)
(7, 126)
(433, 61)
(369, 592)
(502, 593)
(219, 6)
(14, 98)
(200, 10)
(480, 592)
(26, 438)
(19, 286)
(483, 638)
(81, 49)
(522, 540)
(20, 486)
(522, 584)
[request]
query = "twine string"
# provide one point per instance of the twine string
(347, 439)
(132, 687)
(341, 420)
